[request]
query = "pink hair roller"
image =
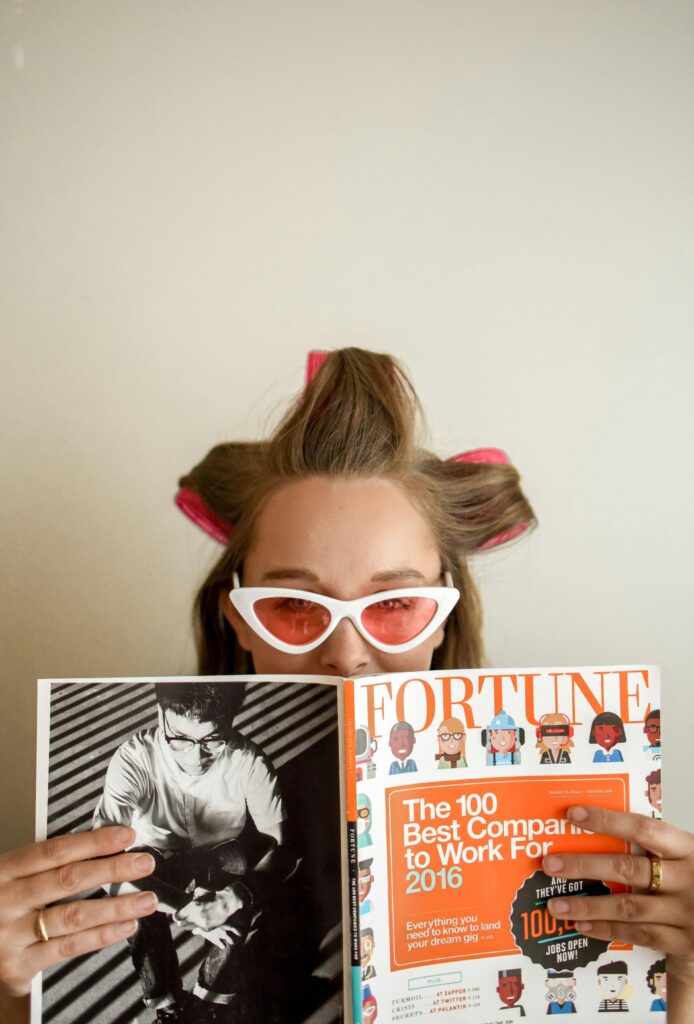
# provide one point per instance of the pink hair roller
(491, 456)
(488, 455)
(314, 361)
(193, 506)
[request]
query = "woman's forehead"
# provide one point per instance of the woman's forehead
(329, 532)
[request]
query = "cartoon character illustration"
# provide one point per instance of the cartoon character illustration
(369, 1006)
(656, 979)
(554, 739)
(651, 728)
(654, 792)
(612, 984)
(607, 730)
(510, 989)
(366, 747)
(366, 940)
(561, 992)
(451, 737)
(401, 744)
(365, 880)
(363, 820)
(503, 740)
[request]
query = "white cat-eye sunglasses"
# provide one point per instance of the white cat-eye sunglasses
(297, 621)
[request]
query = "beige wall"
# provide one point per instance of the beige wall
(195, 193)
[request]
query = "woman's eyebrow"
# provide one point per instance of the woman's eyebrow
(290, 573)
(297, 573)
(397, 574)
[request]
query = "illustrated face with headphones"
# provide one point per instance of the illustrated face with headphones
(554, 732)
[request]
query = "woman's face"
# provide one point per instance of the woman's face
(344, 539)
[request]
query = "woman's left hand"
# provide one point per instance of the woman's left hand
(662, 919)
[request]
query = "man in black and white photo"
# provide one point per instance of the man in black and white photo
(205, 802)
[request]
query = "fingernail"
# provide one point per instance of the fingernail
(577, 813)
(126, 928)
(144, 863)
(146, 901)
(558, 906)
(123, 836)
(583, 926)
(553, 864)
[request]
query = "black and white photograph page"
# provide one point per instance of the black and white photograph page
(230, 790)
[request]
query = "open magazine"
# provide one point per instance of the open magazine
(383, 834)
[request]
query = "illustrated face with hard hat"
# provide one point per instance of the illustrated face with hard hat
(502, 733)
(503, 739)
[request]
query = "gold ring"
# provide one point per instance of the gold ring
(656, 874)
(40, 926)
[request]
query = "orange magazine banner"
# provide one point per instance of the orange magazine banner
(459, 851)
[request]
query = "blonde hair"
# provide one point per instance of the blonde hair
(357, 418)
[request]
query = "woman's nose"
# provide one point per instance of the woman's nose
(345, 652)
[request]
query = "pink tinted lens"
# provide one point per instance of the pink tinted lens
(292, 620)
(398, 619)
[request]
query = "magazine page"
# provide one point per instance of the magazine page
(254, 806)
(463, 782)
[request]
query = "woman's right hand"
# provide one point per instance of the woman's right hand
(55, 869)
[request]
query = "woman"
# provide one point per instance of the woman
(341, 502)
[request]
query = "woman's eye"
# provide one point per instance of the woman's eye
(295, 605)
(393, 604)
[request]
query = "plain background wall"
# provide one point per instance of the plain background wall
(196, 193)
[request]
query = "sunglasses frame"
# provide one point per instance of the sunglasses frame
(243, 599)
